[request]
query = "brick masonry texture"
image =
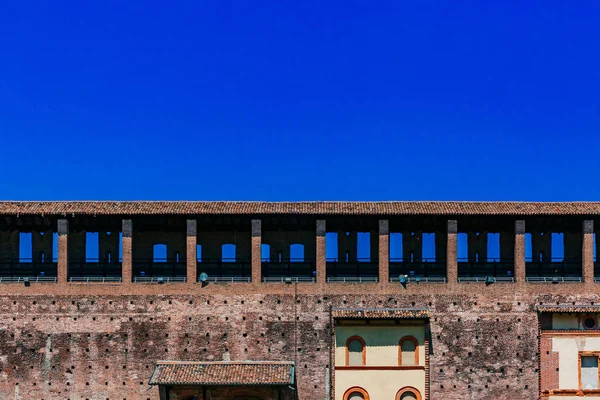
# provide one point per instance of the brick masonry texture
(78, 341)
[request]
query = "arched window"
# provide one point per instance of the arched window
(356, 354)
(408, 393)
(408, 351)
(297, 252)
(356, 393)
(228, 253)
(159, 253)
(265, 252)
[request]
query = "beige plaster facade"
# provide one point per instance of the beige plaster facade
(381, 376)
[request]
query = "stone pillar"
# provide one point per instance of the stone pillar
(321, 260)
(384, 251)
(451, 252)
(256, 250)
(191, 246)
(588, 251)
(520, 267)
(62, 271)
(127, 245)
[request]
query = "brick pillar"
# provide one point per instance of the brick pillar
(256, 250)
(321, 261)
(63, 251)
(520, 267)
(384, 251)
(451, 252)
(191, 255)
(127, 262)
(588, 251)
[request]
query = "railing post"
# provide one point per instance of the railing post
(384, 251)
(588, 251)
(63, 251)
(127, 262)
(451, 252)
(321, 261)
(256, 250)
(191, 251)
(520, 267)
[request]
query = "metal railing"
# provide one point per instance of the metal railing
(359, 268)
(496, 267)
(231, 279)
(552, 279)
(160, 267)
(554, 267)
(419, 279)
(424, 267)
(27, 267)
(94, 268)
(159, 279)
(479, 279)
(95, 279)
(294, 267)
(225, 268)
(292, 279)
(354, 279)
(32, 279)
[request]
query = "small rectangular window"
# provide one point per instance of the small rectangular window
(589, 372)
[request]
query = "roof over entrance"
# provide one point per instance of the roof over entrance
(567, 308)
(380, 313)
(223, 373)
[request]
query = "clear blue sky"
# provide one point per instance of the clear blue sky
(282, 100)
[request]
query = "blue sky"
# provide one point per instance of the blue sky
(283, 100)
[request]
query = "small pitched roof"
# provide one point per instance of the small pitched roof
(380, 313)
(566, 308)
(223, 373)
(302, 207)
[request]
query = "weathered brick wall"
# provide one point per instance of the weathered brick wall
(99, 344)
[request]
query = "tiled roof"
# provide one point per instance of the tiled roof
(380, 313)
(568, 309)
(223, 373)
(315, 208)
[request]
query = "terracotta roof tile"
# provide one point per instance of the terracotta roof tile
(223, 373)
(317, 208)
(380, 313)
(568, 309)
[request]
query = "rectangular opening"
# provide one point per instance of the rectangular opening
(55, 246)
(25, 247)
(395, 246)
(429, 246)
(493, 247)
(331, 246)
(92, 247)
(557, 250)
(528, 247)
(463, 246)
(363, 246)
(589, 372)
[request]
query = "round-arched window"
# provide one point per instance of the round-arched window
(355, 351)
(408, 396)
(356, 393)
(356, 396)
(408, 393)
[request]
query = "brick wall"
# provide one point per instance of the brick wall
(103, 346)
